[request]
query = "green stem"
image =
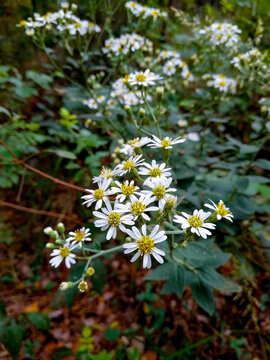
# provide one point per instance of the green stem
(152, 113)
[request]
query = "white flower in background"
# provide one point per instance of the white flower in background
(221, 210)
(223, 83)
(132, 145)
(127, 43)
(167, 54)
(222, 33)
(125, 190)
(265, 105)
(99, 195)
(130, 164)
(139, 207)
(195, 222)
(79, 236)
(105, 174)
(145, 245)
(154, 170)
(182, 123)
(137, 10)
(252, 55)
(134, 7)
(169, 68)
(143, 78)
(186, 74)
(193, 136)
(160, 189)
(91, 103)
(63, 253)
(112, 219)
(165, 143)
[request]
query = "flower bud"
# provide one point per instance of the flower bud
(66, 285)
(54, 235)
(47, 230)
(90, 271)
(159, 92)
(128, 110)
(142, 113)
(74, 7)
(61, 228)
(128, 239)
(59, 242)
(50, 246)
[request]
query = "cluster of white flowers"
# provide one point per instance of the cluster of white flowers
(63, 20)
(146, 12)
(253, 55)
(93, 103)
(221, 82)
(127, 43)
(173, 66)
(222, 33)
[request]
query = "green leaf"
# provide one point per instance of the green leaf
(103, 355)
(41, 321)
(111, 334)
(175, 282)
(11, 336)
(162, 272)
(263, 163)
(4, 111)
(210, 276)
(63, 153)
(86, 331)
(203, 295)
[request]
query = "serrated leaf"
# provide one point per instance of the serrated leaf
(175, 282)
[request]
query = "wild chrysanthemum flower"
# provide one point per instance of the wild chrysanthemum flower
(154, 170)
(126, 190)
(160, 189)
(132, 145)
(99, 195)
(145, 245)
(112, 219)
(195, 222)
(139, 207)
(105, 174)
(143, 78)
(130, 164)
(79, 236)
(222, 33)
(63, 253)
(83, 286)
(165, 143)
(223, 83)
(221, 210)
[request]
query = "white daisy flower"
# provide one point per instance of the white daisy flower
(169, 68)
(159, 189)
(106, 174)
(154, 170)
(165, 143)
(132, 145)
(221, 210)
(125, 190)
(91, 103)
(78, 236)
(143, 78)
(112, 219)
(195, 222)
(139, 207)
(58, 255)
(99, 195)
(223, 83)
(130, 164)
(145, 245)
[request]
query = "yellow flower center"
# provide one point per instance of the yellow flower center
(195, 221)
(154, 13)
(137, 208)
(127, 189)
(169, 67)
(184, 63)
(98, 194)
(145, 245)
(77, 25)
(128, 165)
(133, 5)
(219, 37)
(221, 209)
(222, 76)
(64, 252)
(22, 23)
(140, 77)
(79, 236)
(83, 286)
(90, 24)
(159, 191)
(135, 143)
(188, 74)
(114, 219)
(222, 83)
(155, 172)
(106, 172)
(166, 142)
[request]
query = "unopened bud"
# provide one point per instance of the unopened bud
(61, 228)
(48, 230)
(90, 271)
(74, 7)
(128, 110)
(50, 246)
(59, 242)
(66, 285)
(142, 113)
(184, 244)
(128, 239)
(54, 235)
(159, 92)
